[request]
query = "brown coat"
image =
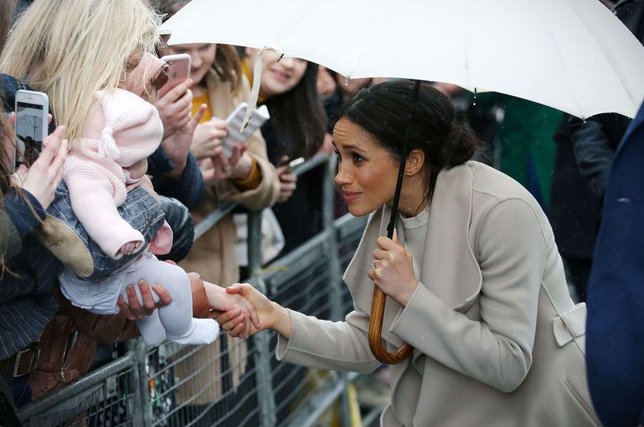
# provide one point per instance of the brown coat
(498, 340)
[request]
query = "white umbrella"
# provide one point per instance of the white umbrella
(572, 55)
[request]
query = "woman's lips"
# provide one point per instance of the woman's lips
(350, 196)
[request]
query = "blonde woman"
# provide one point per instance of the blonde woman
(72, 49)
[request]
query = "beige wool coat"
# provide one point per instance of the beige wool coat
(498, 340)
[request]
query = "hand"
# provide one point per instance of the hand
(44, 175)
(288, 183)
(394, 269)
(207, 137)
(271, 315)
(130, 247)
(242, 316)
(219, 167)
(133, 309)
(177, 146)
(175, 108)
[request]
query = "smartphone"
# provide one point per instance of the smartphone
(178, 71)
(286, 161)
(234, 120)
(32, 111)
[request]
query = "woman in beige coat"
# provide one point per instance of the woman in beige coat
(473, 277)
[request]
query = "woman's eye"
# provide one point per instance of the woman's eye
(357, 158)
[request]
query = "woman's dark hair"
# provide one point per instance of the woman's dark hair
(384, 111)
(298, 115)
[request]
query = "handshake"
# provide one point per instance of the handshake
(240, 309)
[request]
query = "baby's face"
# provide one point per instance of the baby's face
(138, 169)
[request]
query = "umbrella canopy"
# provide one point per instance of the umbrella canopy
(572, 55)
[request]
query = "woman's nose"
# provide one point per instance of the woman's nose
(287, 62)
(341, 177)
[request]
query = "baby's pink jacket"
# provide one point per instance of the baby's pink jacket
(122, 129)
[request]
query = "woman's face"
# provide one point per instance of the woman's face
(202, 56)
(366, 171)
(278, 77)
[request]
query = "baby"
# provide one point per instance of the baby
(108, 161)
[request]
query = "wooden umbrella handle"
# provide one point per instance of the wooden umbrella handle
(375, 332)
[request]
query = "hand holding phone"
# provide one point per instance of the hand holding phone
(32, 110)
(234, 121)
(178, 71)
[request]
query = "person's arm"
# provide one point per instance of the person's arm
(595, 142)
(92, 200)
(187, 187)
(19, 216)
(21, 213)
(306, 340)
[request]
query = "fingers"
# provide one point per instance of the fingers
(133, 303)
(124, 308)
(164, 296)
(199, 115)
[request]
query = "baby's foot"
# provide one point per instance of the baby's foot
(202, 331)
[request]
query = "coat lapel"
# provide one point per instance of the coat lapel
(450, 269)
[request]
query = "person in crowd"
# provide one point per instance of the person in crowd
(473, 277)
(592, 144)
(62, 27)
(615, 293)
(288, 89)
(574, 213)
(220, 86)
(24, 197)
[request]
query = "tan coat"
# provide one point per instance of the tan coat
(498, 340)
(213, 254)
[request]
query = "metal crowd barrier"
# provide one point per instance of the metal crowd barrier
(230, 382)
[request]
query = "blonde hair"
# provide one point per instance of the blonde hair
(7, 8)
(70, 49)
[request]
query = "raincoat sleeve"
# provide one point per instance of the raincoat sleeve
(19, 216)
(595, 144)
(188, 188)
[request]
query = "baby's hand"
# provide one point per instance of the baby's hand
(240, 322)
(130, 247)
(243, 312)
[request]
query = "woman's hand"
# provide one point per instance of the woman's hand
(207, 138)
(44, 175)
(133, 309)
(177, 146)
(271, 315)
(393, 269)
(288, 183)
(219, 167)
(175, 108)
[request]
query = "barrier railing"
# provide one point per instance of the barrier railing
(230, 382)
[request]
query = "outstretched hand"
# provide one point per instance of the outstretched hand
(271, 315)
